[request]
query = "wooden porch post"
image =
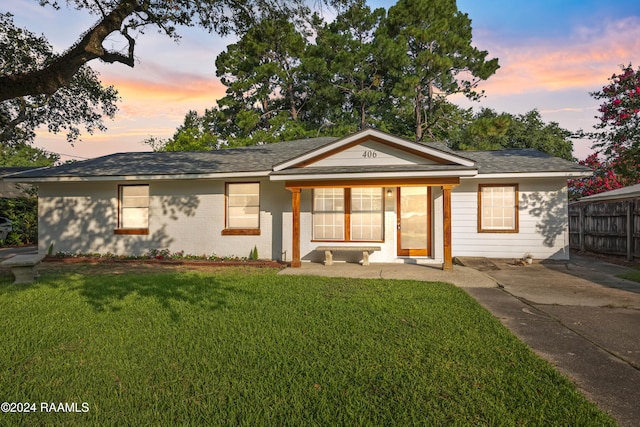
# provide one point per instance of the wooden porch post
(295, 210)
(446, 209)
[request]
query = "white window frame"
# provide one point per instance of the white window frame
(495, 210)
(371, 213)
(236, 201)
(131, 204)
(336, 216)
(342, 218)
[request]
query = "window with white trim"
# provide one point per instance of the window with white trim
(243, 206)
(367, 214)
(348, 214)
(328, 214)
(133, 201)
(498, 208)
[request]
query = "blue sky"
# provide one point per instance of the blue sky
(552, 54)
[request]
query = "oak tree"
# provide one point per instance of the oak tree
(126, 19)
(81, 103)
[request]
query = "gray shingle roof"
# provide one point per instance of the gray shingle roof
(629, 192)
(263, 158)
(246, 159)
(521, 161)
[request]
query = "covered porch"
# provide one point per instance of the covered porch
(405, 226)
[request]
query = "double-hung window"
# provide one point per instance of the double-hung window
(242, 208)
(133, 209)
(348, 214)
(498, 208)
(328, 214)
(366, 214)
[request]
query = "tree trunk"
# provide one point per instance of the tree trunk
(417, 104)
(363, 115)
(293, 109)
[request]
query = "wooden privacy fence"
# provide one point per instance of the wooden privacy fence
(607, 226)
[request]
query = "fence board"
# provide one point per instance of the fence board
(605, 227)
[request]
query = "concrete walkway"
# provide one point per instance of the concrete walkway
(582, 319)
(575, 314)
(20, 250)
(460, 276)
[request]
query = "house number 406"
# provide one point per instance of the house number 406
(369, 154)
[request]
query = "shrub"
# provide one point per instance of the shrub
(23, 213)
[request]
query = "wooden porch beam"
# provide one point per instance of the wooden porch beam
(296, 262)
(446, 210)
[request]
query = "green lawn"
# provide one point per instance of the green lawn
(632, 275)
(238, 348)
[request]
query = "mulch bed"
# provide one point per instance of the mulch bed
(97, 266)
(167, 262)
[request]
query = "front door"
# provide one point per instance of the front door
(414, 225)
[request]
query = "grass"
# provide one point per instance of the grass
(252, 348)
(632, 275)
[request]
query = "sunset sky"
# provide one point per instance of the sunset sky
(552, 53)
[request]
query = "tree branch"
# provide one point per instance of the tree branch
(59, 72)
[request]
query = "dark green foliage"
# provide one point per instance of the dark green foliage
(617, 133)
(81, 103)
(489, 130)
(429, 45)
(23, 154)
(364, 69)
(23, 213)
(346, 69)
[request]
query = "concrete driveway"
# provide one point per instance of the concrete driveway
(581, 318)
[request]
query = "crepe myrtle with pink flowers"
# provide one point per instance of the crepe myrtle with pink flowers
(617, 134)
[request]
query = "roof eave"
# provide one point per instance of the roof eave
(222, 175)
(553, 174)
(373, 175)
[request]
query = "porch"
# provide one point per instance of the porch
(402, 240)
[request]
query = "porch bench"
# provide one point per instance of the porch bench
(23, 267)
(329, 250)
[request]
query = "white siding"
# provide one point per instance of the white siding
(183, 216)
(543, 221)
(188, 215)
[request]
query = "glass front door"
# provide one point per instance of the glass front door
(414, 229)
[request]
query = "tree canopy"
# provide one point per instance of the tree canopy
(604, 178)
(489, 130)
(365, 68)
(126, 18)
(430, 47)
(617, 133)
(81, 103)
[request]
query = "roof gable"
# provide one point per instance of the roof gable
(372, 147)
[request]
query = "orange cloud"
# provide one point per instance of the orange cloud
(584, 60)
